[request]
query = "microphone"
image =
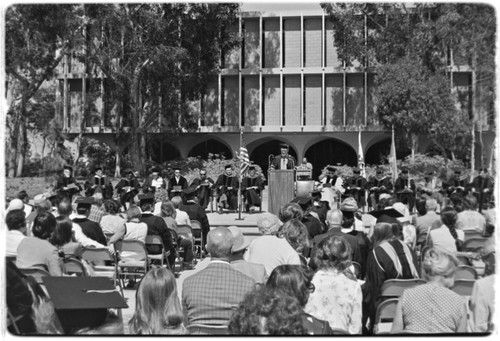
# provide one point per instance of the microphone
(270, 160)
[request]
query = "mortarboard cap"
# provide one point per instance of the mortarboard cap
(387, 211)
(145, 198)
(251, 168)
(380, 171)
(82, 302)
(404, 170)
(84, 201)
(68, 168)
(330, 169)
(98, 168)
(458, 171)
(128, 171)
(284, 146)
(155, 170)
(228, 166)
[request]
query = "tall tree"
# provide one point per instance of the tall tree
(404, 41)
(36, 38)
(155, 57)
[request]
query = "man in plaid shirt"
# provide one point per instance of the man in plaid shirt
(210, 296)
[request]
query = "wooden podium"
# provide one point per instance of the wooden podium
(281, 188)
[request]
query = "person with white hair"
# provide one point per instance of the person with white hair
(269, 249)
(424, 223)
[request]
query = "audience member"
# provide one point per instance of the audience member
(157, 306)
(90, 228)
(19, 300)
(337, 297)
(211, 295)
(168, 213)
(390, 258)
(295, 232)
(62, 238)
(195, 211)
(65, 209)
(267, 311)
(16, 223)
(112, 223)
(470, 219)
(295, 281)
(432, 307)
(156, 226)
(270, 249)
(97, 210)
(268, 223)
(37, 251)
(447, 237)
(25, 198)
(240, 244)
(134, 227)
(424, 222)
(482, 299)
(334, 221)
(409, 231)
(181, 217)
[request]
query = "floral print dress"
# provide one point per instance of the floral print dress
(336, 299)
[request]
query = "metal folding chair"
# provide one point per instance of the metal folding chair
(154, 239)
(198, 241)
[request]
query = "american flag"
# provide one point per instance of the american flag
(243, 156)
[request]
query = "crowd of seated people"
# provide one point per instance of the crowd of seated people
(288, 281)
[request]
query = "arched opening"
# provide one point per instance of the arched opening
(378, 153)
(161, 151)
(260, 155)
(331, 152)
(210, 146)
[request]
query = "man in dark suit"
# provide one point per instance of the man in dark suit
(176, 184)
(210, 296)
(90, 228)
(156, 226)
(284, 160)
(195, 211)
(334, 221)
(227, 188)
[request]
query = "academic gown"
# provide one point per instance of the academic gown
(252, 196)
(228, 195)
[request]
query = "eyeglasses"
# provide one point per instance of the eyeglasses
(311, 288)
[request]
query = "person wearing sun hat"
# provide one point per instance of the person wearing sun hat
(240, 245)
(409, 230)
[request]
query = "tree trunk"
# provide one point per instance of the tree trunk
(118, 158)
(414, 146)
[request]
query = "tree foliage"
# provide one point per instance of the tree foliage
(36, 38)
(155, 58)
(409, 46)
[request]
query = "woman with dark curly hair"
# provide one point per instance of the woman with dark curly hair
(267, 311)
(337, 297)
(157, 306)
(295, 232)
(63, 238)
(295, 281)
(37, 251)
(447, 237)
